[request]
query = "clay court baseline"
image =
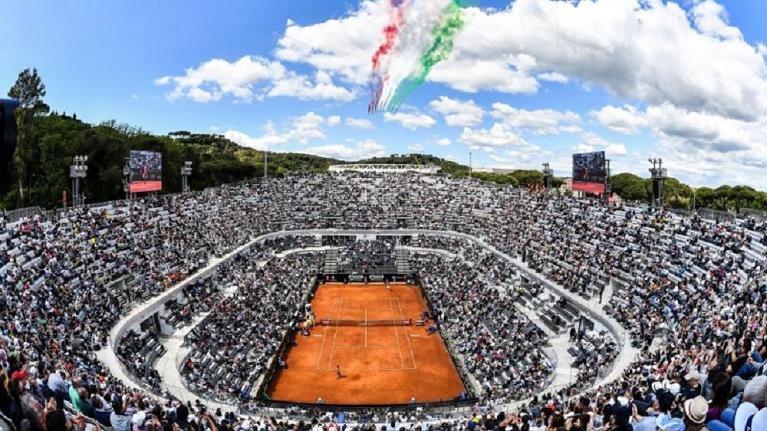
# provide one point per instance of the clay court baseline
(366, 349)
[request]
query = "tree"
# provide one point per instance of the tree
(29, 90)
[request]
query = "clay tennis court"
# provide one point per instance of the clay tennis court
(379, 364)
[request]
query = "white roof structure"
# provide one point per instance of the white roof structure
(365, 167)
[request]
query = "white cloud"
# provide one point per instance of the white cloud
(592, 142)
(303, 88)
(307, 128)
(358, 151)
(541, 121)
(416, 148)
(360, 123)
(304, 129)
(334, 120)
(443, 142)
(553, 77)
(411, 121)
(342, 46)
(625, 119)
(269, 140)
(711, 19)
(506, 76)
(247, 79)
(498, 136)
(705, 131)
(458, 113)
(646, 50)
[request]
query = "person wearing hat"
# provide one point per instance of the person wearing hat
(695, 411)
(692, 387)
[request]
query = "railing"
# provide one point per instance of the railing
(13, 216)
(150, 307)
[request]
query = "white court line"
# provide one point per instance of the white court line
(409, 345)
(332, 352)
(322, 346)
(396, 332)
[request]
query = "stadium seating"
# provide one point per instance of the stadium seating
(690, 292)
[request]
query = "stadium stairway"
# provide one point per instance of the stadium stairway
(168, 366)
(331, 260)
(402, 261)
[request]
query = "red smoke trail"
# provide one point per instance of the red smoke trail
(390, 32)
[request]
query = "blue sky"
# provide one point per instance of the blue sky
(530, 81)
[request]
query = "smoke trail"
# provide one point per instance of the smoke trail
(390, 31)
(444, 36)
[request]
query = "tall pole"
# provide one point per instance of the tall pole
(266, 163)
(126, 178)
(659, 175)
(78, 169)
(471, 167)
(608, 187)
(186, 171)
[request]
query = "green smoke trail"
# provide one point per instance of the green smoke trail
(444, 36)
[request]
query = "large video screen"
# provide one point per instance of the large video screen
(589, 172)
(145, 171)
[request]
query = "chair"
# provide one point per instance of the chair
(728, 417)
(717, 425)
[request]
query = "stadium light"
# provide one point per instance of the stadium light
(77, 170)
(186, 171)
(548, 175)
(659, 175)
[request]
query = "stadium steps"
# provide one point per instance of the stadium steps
(402, 261)
(331, 260)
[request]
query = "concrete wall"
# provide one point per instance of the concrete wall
(145, 310)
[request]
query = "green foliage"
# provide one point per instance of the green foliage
(55, 139)
(526, 178)
(29, 90)
(47, 144)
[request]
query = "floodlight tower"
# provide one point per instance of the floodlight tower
(78, 170)
(659, 176)
(186, 171)
(126, 178)
(548, 176)
(608, 185)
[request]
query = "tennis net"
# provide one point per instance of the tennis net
(363, 323)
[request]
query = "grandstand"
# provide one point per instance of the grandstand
(544, 306)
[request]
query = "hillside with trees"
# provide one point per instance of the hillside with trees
(48, 141)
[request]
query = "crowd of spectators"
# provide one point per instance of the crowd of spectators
(501, 348)
(695, 287)
(367, 256)
(234, 344)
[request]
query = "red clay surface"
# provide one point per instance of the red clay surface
(379, 365)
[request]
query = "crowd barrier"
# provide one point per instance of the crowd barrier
(147, 309)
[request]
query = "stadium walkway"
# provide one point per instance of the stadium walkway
(168, 367)
(142, 311)
(564, 374)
